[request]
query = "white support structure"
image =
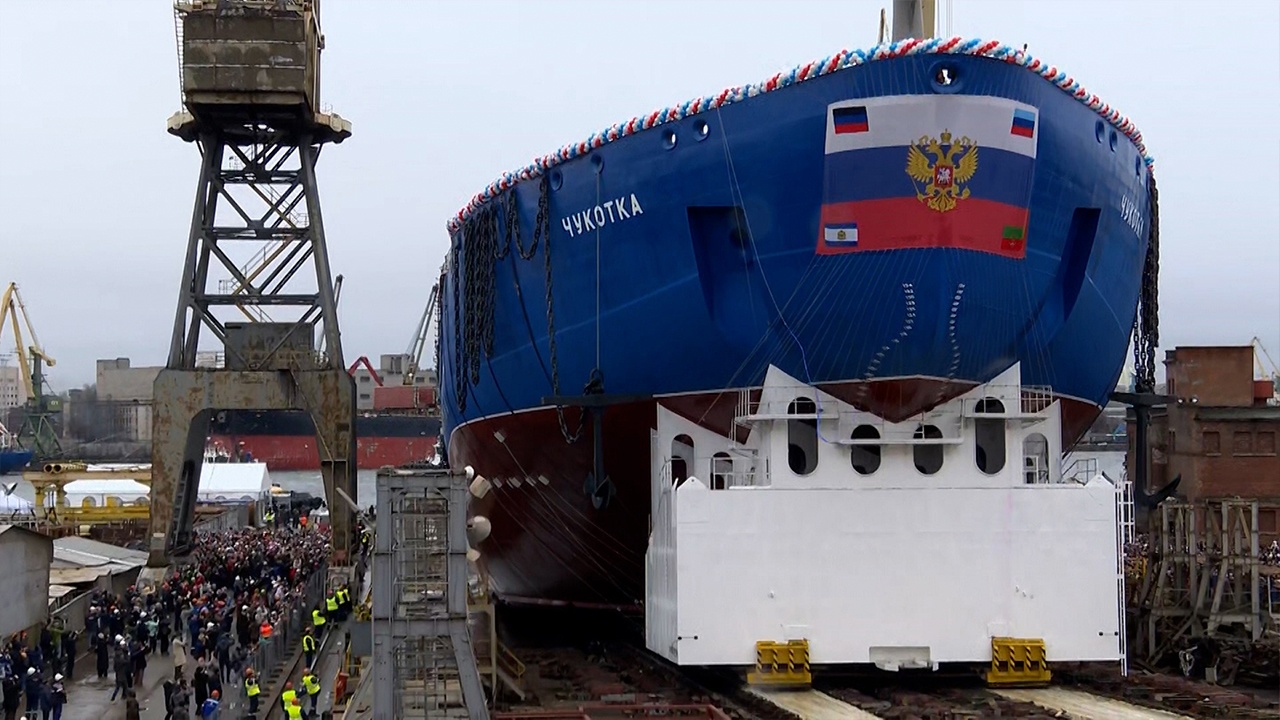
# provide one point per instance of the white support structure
(880, 542)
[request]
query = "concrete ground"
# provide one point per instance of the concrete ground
(89, 697)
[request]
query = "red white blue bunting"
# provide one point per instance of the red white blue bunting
(841, 60)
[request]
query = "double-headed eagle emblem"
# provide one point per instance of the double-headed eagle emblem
(939, 169)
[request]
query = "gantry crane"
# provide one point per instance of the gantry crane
(38, 431)
(250, 87)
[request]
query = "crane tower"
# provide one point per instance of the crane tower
(255, 282)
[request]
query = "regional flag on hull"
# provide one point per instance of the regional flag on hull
(928, 171)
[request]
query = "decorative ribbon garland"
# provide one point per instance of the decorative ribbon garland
(840, 61)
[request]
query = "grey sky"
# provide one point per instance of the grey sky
(96, 198)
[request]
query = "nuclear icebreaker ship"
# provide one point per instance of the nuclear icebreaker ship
(892, 228)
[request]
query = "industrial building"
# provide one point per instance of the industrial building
(85, 564)
(25, 557)
(13, 392)
(1219, 431)
(389, 374)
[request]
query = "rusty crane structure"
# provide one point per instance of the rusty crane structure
(256, 282)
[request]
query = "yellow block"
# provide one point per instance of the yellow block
(781, 664)
(1018, 661)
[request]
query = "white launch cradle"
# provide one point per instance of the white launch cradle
(865, 541)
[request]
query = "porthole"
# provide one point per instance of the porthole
(945, 77)
(669, 138)
(701, 130)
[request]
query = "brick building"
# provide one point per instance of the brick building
(1221, 434)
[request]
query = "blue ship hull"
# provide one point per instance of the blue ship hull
(686, 258)
(13, 460)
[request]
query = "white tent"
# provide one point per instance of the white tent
(95, 493)
(219, 482)
(233, 482)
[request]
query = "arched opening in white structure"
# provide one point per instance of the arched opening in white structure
(865, 456)
(988, 434)
(802, 436)
(1035, 459)
(681, 458)
(721, 471)
(927, 456)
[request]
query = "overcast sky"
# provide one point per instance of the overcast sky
(95, 197)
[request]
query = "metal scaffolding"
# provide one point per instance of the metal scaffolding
(1203, 587)
(424, 664)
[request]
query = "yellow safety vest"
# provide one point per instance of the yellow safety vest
(330, 604)
(287, 697)
(295, 712)
(312, 684)
(317, 618)
(308, 643)
(251, 687)
(342, 596)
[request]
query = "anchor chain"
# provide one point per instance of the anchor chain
(542, 231)
(460, 376)
(1146, 323)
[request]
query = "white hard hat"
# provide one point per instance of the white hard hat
(31, 671)
(57, 676)
(119, 638)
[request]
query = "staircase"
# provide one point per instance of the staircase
(499, 666)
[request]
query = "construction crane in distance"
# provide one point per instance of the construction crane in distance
(420, 338)
(38, 431)
(1260, 353)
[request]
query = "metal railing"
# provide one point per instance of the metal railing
(273, 651)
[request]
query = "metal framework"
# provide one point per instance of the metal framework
(1203, 580)
(424, 664)
(257, 200)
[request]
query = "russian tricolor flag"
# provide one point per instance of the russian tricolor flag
(1024, 123)
(887, 157)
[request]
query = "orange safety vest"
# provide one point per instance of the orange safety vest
(265, 630)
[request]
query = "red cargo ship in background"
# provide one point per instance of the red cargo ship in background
(401, 429)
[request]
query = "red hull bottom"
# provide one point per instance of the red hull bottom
(298, 452)
(550, 546)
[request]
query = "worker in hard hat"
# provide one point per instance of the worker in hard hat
(289, 696)
(209, 710)
(318, 620)
(311, 684)
(293, 709)
(309, 645)
(251, 690)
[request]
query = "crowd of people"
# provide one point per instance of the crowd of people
(209, 615)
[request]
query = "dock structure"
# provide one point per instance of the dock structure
(424, 664)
